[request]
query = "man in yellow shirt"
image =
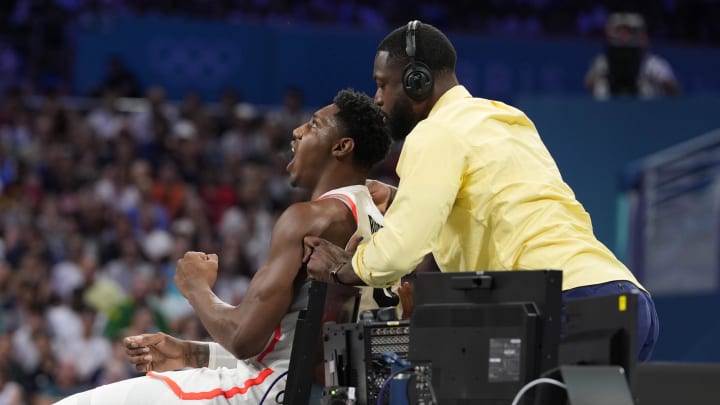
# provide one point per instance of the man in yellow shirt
(478, 189)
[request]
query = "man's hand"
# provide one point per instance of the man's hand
(382, 194)
(405, 291)
(156, 352)
(322, 257)
(196, 270)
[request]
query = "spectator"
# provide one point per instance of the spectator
(10, 391)
(186, 147)
(169, 189)
(24, 350)
(67, 275)
(64, 382)
(119, 79)
(151, 127)
(117, 368)
(8, 367)
(227, 107)
(90, 351)
(41, 376)
(129, 264)
(243, 140)
(627, 67)
(106, 120)
(292, 113)
(138, 314)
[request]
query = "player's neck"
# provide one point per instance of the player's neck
(337, 179)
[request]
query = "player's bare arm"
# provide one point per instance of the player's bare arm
(245, 329)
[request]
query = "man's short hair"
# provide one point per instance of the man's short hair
(364, 122)
(432, 47)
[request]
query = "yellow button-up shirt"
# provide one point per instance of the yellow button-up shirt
(479, 189)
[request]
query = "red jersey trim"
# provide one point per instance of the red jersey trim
(344, 198)
(271, 346)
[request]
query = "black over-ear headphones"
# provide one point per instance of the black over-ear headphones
(417, 77)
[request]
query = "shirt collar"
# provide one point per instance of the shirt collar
(455, 93)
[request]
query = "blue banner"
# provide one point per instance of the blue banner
(263, 60)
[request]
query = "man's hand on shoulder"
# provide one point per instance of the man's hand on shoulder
(327, 262)
(382, 194)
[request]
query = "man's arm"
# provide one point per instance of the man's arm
(244, 330)
(431, 169)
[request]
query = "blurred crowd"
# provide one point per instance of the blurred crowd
(681, 20)
(98, 199)
(37, 40)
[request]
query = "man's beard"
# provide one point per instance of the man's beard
(401, 120)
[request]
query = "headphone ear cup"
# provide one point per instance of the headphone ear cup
(418, 81)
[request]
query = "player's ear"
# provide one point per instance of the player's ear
(343, 147)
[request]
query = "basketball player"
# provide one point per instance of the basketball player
(333, 153)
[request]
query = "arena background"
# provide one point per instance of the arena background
(89, 190)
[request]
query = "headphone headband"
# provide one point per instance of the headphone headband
(410, 38)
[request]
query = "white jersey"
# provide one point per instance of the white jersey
(236, 381)
(358, 200)
(369, 220)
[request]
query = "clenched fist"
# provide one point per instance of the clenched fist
(196, 270)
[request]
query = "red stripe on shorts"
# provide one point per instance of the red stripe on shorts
(213, 393)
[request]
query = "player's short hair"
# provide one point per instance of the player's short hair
(432, 47)
(364, 122)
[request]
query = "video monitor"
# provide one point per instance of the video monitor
(479, 337)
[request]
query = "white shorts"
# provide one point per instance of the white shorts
(242, 385)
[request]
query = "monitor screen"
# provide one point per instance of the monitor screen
(483, 335)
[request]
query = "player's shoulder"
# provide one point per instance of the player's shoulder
(325, 217)
(311, 214)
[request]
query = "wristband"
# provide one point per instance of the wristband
(334, 274)
(220, 357)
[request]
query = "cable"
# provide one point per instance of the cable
(413, 381)
(533, 383)
(549, 373)
(381, 394)
(432, 393)
(283, 374)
